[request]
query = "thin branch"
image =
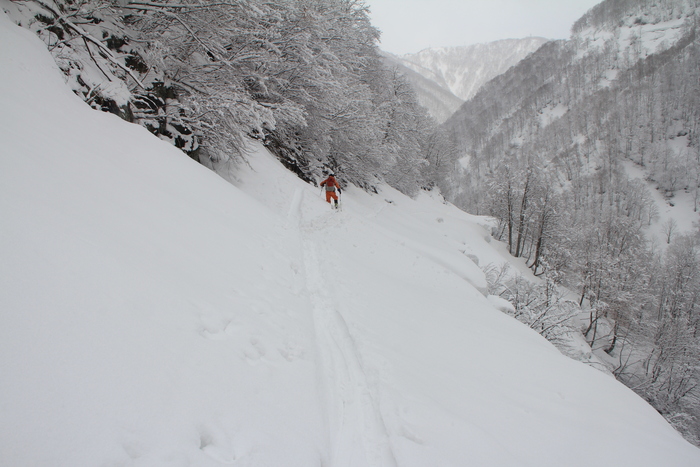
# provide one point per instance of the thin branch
(177, 6)
(109, 55)
(93, 59)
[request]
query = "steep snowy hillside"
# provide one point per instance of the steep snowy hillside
(152, 314)
(463, 70)
(587, 153)
(629, 64)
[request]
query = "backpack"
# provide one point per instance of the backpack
(330, 184)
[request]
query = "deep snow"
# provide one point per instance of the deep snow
(152, 314)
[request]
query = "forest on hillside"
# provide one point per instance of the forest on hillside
(548, 144)
(303, 76)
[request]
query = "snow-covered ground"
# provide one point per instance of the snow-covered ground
(650, 37)
(552, 112)
(680, 209)
(152, 314)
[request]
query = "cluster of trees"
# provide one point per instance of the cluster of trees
(564, 201)
(667, 328)
(542, 306)
(303, 76)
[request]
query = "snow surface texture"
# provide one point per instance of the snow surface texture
(152, 314)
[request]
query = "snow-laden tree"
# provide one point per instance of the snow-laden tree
(214, 55)
(665, 368)
(541, 306)
(303, 76)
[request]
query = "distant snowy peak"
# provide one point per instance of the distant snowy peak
(445, 77)
(463, 70)
(440, 102)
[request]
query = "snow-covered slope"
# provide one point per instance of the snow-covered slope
(151, 314)
(463, 70)
(644, 26)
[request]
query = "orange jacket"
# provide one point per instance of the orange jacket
(330, 183)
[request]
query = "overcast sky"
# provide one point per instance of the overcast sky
(413, 25)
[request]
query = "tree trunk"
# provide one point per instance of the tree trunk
(521, 223)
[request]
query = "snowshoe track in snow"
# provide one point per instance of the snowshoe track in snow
(357, 433)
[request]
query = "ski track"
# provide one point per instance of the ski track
(357, 434)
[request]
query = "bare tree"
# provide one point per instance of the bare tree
(669, 228)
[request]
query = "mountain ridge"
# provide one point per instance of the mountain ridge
(464, 69)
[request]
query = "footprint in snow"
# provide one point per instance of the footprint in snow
(256, 351)
(134, 449)
(217, 446)
(291, 351)
(214, 328)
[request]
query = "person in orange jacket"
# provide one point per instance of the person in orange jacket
(331, 185)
